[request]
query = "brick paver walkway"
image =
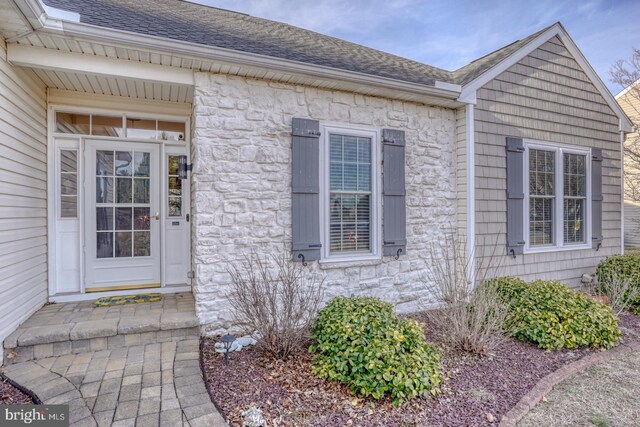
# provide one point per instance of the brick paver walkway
(144, 383)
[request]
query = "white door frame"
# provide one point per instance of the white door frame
(133, 109)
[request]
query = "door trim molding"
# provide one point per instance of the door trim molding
(52, 170)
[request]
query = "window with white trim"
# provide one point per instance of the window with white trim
(350, 217)
(557, 196)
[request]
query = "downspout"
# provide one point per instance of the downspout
(622, 139)
(471, 192)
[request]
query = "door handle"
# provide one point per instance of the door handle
(156, 216)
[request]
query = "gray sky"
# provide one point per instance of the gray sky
(451, 33)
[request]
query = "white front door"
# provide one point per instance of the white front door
(121, 215)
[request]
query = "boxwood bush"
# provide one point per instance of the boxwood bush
(620, 268)
(554, 317)
(362, 343)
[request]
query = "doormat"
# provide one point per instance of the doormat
(127, 299)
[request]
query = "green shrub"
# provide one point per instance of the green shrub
(620, 269)
(362, 343)
(554, 317)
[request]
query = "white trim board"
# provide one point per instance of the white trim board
(471, 191)
(82, 102)
(468, 94)
(49, 59)
(627, 89)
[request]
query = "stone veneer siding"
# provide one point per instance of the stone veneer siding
(242, 175)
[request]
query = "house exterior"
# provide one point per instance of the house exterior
(149, 144)
(629, 100)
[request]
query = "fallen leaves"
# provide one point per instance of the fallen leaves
(12, 396)
(478, 391)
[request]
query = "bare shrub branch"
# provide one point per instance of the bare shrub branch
(470, 317)
(626, 73)
(621, 293)
(276, 297)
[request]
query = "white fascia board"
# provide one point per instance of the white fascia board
(196, 51)
(448, 86)
(469, 90)
(49, 59)
(627, 89)
(34, 11)
(468, 93)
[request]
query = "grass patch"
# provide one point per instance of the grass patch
(597, 419)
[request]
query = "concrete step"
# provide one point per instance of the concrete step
(39, 342)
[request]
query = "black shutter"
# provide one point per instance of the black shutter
(515, 196)
(394, 211)
(305, 190)
(596, 198)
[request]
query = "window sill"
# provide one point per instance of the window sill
(543, 250)
(329, 263)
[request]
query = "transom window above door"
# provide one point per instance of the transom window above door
(120, 126)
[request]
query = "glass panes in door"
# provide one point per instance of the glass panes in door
(123, 204)
(174, 187)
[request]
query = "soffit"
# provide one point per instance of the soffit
(70, 81)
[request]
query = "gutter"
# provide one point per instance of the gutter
(47, 24)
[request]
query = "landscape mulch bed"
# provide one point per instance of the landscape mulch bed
(10, 395)
(477, 391)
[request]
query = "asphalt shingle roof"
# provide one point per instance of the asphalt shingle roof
(190, 22)
(475, 69)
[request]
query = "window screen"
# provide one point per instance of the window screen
(541, 197)
(350, 193)
(575, 197)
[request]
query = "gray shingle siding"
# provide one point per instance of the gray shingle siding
(546, 97)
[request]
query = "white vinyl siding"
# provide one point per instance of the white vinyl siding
(23, 195)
